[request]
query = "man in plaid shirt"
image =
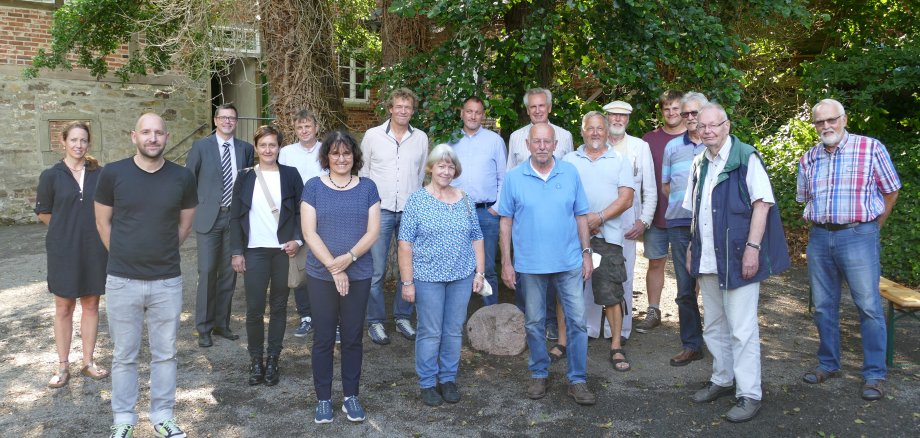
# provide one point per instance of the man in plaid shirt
(849, 186)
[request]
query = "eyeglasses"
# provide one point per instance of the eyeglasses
(687, 114)
(702, 127)
(830, 121)
(226, 118)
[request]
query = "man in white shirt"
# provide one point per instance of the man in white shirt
(303, 155)
(539, 103)
(639, 216)
(394, 158)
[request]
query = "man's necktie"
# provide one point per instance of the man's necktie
(227, 170)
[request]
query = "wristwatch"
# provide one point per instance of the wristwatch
(753, 245)
(354, 258)
(408, 283)
(646, 224)
(588, 251)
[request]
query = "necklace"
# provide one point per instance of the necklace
(79, 168)
(350, 176)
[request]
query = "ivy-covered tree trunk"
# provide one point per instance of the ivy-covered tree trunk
(301, 62)
(402, 37)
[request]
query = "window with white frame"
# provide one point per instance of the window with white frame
(353, 73)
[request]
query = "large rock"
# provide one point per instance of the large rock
(497, 329)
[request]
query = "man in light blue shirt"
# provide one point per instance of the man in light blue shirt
(482, 154)
(608, 184)
(543, 209)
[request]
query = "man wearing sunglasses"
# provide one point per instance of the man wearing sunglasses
(675, 169)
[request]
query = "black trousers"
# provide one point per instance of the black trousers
(264, 266)
(329, 310)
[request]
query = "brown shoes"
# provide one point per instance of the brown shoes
(581, 394)
(537, 388)
(685, 357)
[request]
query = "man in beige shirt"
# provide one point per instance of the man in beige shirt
(394, 158)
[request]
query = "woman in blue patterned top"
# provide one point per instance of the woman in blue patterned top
(441, 251)
(341, 220)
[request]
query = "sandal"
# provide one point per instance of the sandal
(94, 372)
(819, 376)
(553, 358)
(617, 362)
(872, 390)
(60, 379)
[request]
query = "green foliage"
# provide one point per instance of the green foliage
(95, 29)
(781, 152)
(353, 34)
(874, 70)
(587, 52)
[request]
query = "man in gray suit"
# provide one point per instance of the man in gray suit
(215, 161)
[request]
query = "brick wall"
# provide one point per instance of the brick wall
(25, 30)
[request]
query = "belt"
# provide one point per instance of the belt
(838, 227)
(225, 209)
(484, 204)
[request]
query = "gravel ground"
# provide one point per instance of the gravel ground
(653, 399)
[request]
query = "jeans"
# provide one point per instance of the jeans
(551, 294)
(688, 309)
(569, 285)
(376, 308)
(333, 309)
(489, 226)
(441, 310)
(852, 255)
(733, 335)
(128, 304)
(264, 266)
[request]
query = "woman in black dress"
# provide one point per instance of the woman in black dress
(76, 257)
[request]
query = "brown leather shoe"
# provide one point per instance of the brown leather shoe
(537, 388)
(581, 394)
(685, 357)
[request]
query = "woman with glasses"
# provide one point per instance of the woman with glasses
(341, 221)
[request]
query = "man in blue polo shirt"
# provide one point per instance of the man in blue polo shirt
(543, 208)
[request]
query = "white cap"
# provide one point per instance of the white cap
(618, 107)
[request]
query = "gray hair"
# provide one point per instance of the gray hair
(717, 107)
(837, 105)
(544, 91)
(694, 96)
(586, 117)
(443, 152)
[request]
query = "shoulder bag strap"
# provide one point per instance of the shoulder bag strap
(268, 195)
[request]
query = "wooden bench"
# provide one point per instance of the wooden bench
(903, 302)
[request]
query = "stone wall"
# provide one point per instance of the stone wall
(32, 109)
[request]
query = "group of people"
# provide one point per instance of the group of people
(566, 219)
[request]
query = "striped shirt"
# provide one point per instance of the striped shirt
(846, 185)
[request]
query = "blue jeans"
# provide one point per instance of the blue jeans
(489, 226)
(128, 303)
(376, 307)
(569, 286)
(441, 310)
(851, 254)
(688, 309)
(550, 301)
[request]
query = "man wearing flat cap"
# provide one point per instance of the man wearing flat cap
(637, 218)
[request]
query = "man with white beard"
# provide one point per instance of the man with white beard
(639, 216)
(849, 186)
